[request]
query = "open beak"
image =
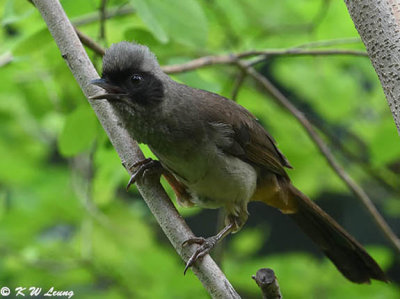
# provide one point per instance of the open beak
(113, 92)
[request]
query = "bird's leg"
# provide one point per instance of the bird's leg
(141, 167)
(206, 244)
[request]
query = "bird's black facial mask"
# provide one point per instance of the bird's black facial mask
(139, 87)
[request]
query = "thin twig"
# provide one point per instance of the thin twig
(109, 13)
(154, 195)
(102, 16)
(301, 52)
(329, 43)
(266, 280)
(90, 43)
(325, 151)
(232, 58)
(238, 83)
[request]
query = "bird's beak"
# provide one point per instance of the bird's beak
(113, 92)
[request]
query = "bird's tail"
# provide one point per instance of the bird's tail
(349, 257)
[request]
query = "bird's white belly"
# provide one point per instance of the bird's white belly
(228, 181)
(214, 179)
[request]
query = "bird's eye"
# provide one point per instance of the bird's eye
(136, 79)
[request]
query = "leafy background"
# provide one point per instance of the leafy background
(65, 219)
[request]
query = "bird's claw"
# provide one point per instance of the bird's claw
(140, 168)
(205, 246)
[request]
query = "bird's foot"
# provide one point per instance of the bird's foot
(142, 167)
(206, 244)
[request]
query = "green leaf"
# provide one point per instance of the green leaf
(78, 133)
(148, 15)
(141, 36)
(183, 21)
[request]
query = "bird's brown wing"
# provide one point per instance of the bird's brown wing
(249, 140)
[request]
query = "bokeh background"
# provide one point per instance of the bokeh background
(65, 218)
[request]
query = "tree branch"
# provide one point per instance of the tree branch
(102, 15)
(266, 280)
(325, 151)
(238, 84)
(109, 13)
(232, 58)
(329, 43)
(150, 188)
(89, 42)
(378, 23)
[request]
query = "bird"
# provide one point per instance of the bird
(215, 154)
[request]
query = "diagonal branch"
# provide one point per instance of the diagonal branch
(238, 83)
(89, 42)
(154, 195)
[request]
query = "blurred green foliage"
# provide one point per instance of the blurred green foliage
(65, 220)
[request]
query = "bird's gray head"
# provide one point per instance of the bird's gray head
(131, 74)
